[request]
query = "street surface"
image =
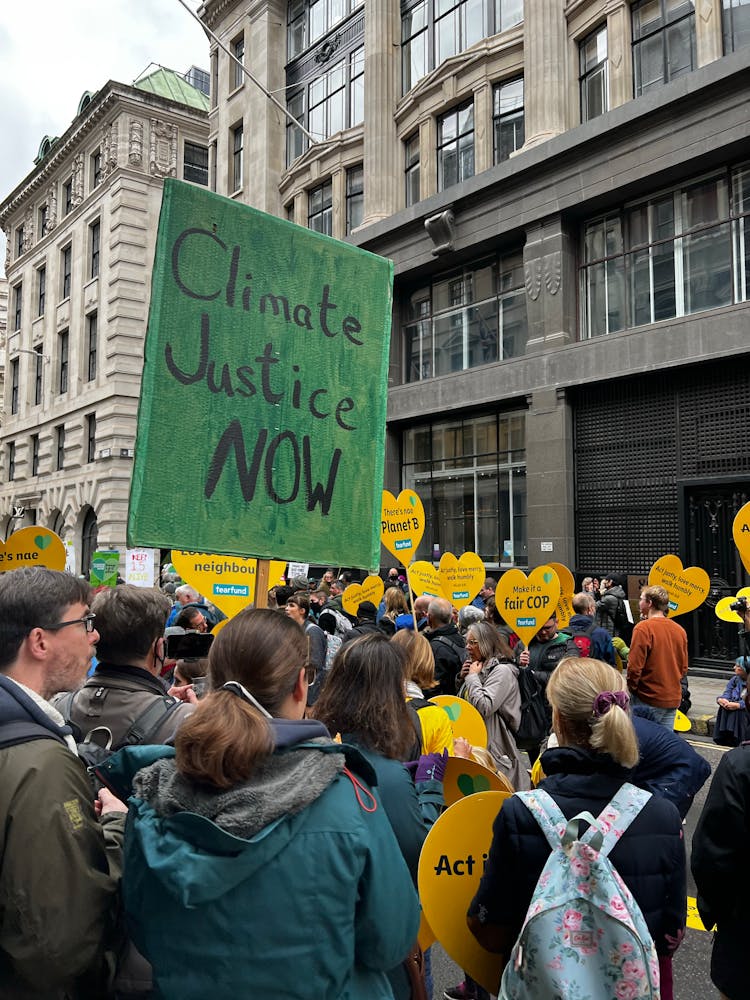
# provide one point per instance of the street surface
(693, 959)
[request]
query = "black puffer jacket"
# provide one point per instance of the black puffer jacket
(650, 857)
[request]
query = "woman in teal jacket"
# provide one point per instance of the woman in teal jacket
(258, 840)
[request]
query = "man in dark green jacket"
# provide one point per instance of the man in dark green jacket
(60, 863)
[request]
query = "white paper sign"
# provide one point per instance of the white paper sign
(298, 569)
(139, 567)
(70, 558)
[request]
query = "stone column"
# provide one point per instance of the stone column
(549, 479)
(545, 70)
(482, 128)
(708, 31)
(427, 157)
(382, 81)
(550, 277)
(620, 55)
(265, 125)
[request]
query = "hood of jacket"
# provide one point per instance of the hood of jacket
(615, 591)
(202, 842)
(17, 706)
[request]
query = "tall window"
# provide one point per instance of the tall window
(469, 317)
(455, 151)
(679, 253)
(43, 221)
(309, 20)
(66, 263)
(68, 196)
(92, 338)
(60, 446)
(63, 347)
(90, 437)
(195, 163)
(34, 454)
(19, 241)
(94, 239)
(411, 152)
(433, 30)
(11, 461)
(507, 118)
(14, 373)
(237, 141)
(736, 22)
(17, 305)
(355, 197)
(237, 77)
(41, 286)
(471, 477)
(593, 74)
(320, 209)
(96, 169)
(38, 361)
(335, 100)
(663, 42)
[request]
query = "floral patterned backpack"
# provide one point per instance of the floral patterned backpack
(584, 936)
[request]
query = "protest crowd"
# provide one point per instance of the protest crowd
(194, 808)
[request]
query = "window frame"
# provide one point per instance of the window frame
(90, 438)
(17, 305)
(355, 196)
(38, 351)
(298, 22)
(63, 362)
(500, 118)
(96, 168)
(92, 344)
(14, 382)
(238, 155)
(412, 168)
(662, 31)
(67, 197)
(190, 166)
(11, 459)
(43, 220)
(444, 144)
(95, 230)
(237, 75)
(20, 240)
(34, 442)
(325, 190)
(729, 31)
(60, 447)
(601, 68)
(41, 289)
(66, 271)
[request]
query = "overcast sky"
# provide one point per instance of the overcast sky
(51, 51)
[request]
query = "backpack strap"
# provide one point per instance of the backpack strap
(617, 816)
(148, 722)
(65, 706)
(547, 813)
(23, 731)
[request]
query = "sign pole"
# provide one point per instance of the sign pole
(262, 577)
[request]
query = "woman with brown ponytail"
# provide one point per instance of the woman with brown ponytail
(258, 839)
(597, 748)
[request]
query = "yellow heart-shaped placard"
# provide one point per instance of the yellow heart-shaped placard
(402, 524)
(723, 609)
(526, 602)
(461, 579)
(687, 587)
(370, 589)
(226, 581)
(741, 534)
(32, 546)
(424, 579)
(564, 610)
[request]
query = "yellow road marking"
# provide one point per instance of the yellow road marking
(693, 919)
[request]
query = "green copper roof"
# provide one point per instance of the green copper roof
(166, 83)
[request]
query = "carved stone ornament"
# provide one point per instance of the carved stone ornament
(7, 250)
(532, 272)
(706, 10)
(52, 207)
(441, 228)
(327, 49)
(553, 272)
(110, 143)
(77, 194)
(28, 230)
(135, 142)
(163, 149)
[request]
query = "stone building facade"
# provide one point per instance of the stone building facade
(81, 231)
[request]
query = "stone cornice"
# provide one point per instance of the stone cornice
(213, 10)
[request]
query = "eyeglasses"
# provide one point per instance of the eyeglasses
(472, 642)
(87, 621)
(311, 673)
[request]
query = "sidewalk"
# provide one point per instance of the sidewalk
(703, 693)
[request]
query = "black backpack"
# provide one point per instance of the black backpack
(534, 725)
(579, 643)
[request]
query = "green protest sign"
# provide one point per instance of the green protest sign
(261, 425)
(105, 566)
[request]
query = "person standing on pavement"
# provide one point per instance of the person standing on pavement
(60, 851)
(583, 623)
(658, 658)
(612, 600)
(545, 650)
(447, 643)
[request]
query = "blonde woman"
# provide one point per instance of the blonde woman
(395, 605)
(430, 721)
(598, 747)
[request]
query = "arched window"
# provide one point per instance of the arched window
(89, 540)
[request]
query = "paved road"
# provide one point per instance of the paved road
(692, 961)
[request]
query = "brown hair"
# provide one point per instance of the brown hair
(419, 662)
(302, 600)
(191, 670)
(222, 741)
(491, 613)
(129, 620)
(395, 602)
(363, 697)
(658, 597)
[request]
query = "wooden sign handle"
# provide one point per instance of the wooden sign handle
(262, 576)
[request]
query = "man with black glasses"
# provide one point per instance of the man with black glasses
(60, 863)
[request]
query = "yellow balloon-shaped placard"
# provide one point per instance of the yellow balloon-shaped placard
(687, 587)
(370, 589)
(467, 777)
(681, 722)
(424, 579)
(402, 524)
(741, 534)
(226, 581)
(465, 720)
(450, 867)
(32, 546)
(564, 610)
(724, 611)
(526, 602)
(461, 579)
